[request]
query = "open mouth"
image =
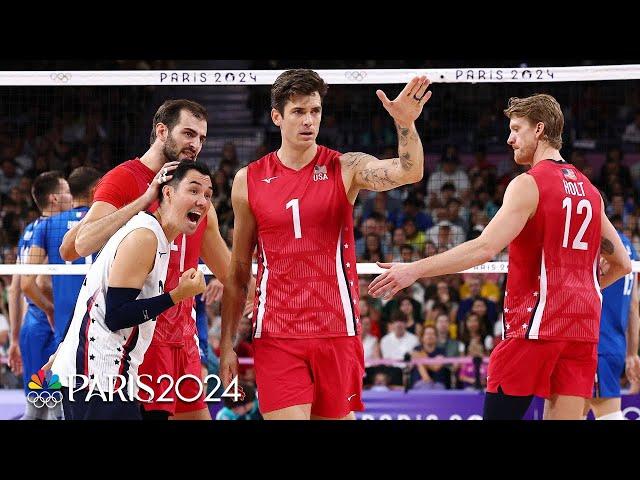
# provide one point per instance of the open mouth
(194, 216)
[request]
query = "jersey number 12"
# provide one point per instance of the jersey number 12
(577, 243)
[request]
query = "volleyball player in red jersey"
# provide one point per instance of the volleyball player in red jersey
(296, 206)
(553, 220)
(178, 133)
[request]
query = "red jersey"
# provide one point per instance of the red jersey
(552, 289)
(121, 186)
(307, 284)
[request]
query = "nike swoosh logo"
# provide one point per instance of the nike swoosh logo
(351, 396)
(268, 180)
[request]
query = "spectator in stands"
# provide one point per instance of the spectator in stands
(10, 176)
(632, 131)
(429, 376)
(373, 251)
(472, 374)
(473, 328)
(397, 345)
(398, 240)
(472, 291)
(415, 238)
(449, 173)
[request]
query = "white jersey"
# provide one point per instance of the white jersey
(89, 348)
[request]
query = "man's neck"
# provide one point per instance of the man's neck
(295, 158)
(81, 202)
(170, 231)
(546, 152)
(153, 159)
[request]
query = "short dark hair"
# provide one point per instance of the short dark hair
(300, 81)
(406, 246)
(81, 181)
(169, 114)
(181, 171)
(44, 185)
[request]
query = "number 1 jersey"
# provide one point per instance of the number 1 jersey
(307, 284)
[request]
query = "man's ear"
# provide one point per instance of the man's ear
(276, 117)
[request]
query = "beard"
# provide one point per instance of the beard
(171, 151)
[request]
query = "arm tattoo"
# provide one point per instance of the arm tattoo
(606, 246)
(353, 159)
(405, 159)
(377, 177)
(403, 134)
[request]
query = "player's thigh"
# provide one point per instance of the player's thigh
(283, 373)
(349, 416)
(295, 412)
(563, 407)
(338, 372)
(605, 406)
(574, 372)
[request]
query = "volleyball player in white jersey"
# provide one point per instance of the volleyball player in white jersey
(123, 292)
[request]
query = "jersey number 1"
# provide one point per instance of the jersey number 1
(583, 204)
(295, 210)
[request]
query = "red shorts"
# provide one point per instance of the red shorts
(325, 372)
(543, 368)
(176, 361)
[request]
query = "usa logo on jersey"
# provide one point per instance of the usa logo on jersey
(320, 173)
(569, 174)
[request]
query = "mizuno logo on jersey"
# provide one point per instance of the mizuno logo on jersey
(162, 253)
(320, 173)
(268, 180)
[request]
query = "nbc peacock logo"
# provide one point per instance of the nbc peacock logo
(44, 389)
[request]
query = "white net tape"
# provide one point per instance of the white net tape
(337, 77)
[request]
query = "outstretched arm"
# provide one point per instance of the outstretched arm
(519, 204)
(238, 279)
(364, 171)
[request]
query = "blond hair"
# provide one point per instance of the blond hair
(540, 108)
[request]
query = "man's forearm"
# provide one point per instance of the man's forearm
(68, 246)
(614, 273)
(15, 309)
(234, 298)
(92, 236)
(410, 153)
(35, 293)
(464, 256)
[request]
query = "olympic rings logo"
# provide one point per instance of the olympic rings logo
(356, 76)
(40, 399)
(60, 77)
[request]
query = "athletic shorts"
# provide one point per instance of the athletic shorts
(176, 361)
(609, 371)
(324, 372)
(37, 344)
(543, 368)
